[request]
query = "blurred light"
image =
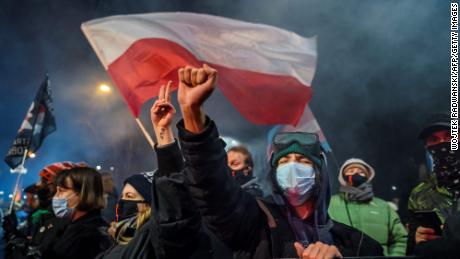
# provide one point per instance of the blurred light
(98, 167)
(231, 142)
(394, 188)
(32, 155)
(112, 168)
(2, 192)
(25, 197)
(10, 196)
(104, 88)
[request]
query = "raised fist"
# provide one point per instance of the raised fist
(195, 86)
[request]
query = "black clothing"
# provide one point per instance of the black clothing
(174, 229)
(446, 247)
(85, 237)
(236, 217)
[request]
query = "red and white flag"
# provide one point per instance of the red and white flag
(265, 72)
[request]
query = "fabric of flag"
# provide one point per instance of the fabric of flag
(264, 71)
(307, 123)
(38, 123)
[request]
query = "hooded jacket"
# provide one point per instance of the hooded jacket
(375, 218)
(252, 228)
(174, 229)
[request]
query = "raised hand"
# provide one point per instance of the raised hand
(162, 111)
(162, 114)
(195, 86)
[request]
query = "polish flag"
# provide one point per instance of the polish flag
(264, 71)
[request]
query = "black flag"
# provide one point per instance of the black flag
(38, 123)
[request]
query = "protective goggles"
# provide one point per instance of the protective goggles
(309, 142)
(304, 139)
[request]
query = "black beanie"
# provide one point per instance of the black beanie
(143, 184)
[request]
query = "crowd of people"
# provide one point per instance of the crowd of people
(204, 202)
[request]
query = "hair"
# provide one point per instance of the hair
(87, 183)
(32, 189)
(243, 150)
(143, 216)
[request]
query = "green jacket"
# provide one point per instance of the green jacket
(375, 218)
(427, 196)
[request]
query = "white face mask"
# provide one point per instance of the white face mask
(296, 181)
(60, 208)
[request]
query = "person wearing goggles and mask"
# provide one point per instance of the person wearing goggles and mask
(439, 193)
(295, 221)
(356, 206)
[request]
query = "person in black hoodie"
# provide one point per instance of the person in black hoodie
(79, 230)
(294, 222)
(173, 228)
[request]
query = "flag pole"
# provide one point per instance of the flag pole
(146, 134)
(18, 179)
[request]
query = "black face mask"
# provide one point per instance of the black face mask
(446, 165)
(355, 180)
(126, 209)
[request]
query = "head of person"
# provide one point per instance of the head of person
(355, 172)
(46, 186)
(136, 198)
(296, 164)
(446, 162)
(239, 159)
(31, 196)
(78, 191)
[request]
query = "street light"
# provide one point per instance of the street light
(32, 155)
(104, 88)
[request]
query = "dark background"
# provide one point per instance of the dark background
(382, 67)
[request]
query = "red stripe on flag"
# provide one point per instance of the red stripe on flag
(261, 98)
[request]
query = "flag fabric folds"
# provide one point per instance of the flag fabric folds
(38, 123)
(264, 71)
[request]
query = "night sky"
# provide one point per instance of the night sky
(383, 66)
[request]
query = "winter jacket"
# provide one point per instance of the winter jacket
(375, 218)
(428, 196)
(174, 228)
(249, 229)
(85, 237)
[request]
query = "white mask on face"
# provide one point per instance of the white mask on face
(296, 181)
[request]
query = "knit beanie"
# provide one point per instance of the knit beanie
(313, 154)
(143, 184)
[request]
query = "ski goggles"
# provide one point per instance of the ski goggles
(309, 142)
